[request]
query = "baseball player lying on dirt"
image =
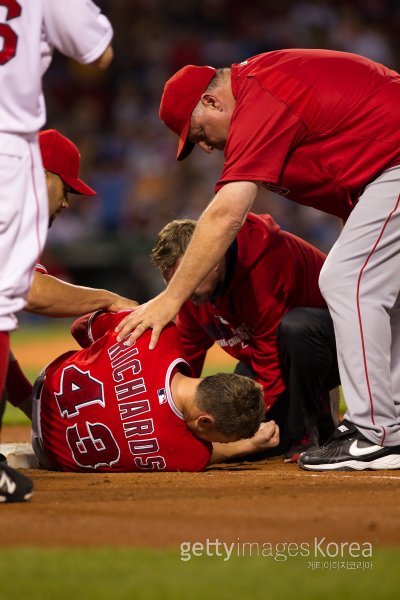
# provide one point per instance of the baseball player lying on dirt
(263, 306)
(110, 407)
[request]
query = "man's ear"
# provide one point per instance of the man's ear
(205, 423)
(211, 101)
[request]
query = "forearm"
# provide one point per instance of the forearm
(223, 452)
(214, 233)
(267, 436)
(105, 59)
(53, 297)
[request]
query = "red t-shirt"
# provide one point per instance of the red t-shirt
(314, 125)
(109, 407)
(269, 271)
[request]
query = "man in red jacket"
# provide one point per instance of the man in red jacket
(322, 128)
(118, 408)
(243, 303)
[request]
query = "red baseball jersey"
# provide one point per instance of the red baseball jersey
(314, 125)
(268, 272)
(109, 407)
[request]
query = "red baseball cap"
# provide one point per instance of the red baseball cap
(61, 156)
(181, 94)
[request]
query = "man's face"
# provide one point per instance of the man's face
(209, 129)
(57, 192)
(205, 290)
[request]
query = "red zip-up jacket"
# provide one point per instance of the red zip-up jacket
(268, 272)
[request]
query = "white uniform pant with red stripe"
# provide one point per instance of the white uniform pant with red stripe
(23, 221)
(360, 282)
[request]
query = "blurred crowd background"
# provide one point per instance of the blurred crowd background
(129, 155)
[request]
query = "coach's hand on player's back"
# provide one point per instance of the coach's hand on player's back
(155, 315)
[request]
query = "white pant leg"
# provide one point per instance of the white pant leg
(360, 282)
(23, 221)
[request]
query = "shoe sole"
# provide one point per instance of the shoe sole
(4, 499)
(384, 463)
(296, 455)
(292, 459)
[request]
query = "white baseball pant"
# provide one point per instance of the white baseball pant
(360, 282)
(23, 221)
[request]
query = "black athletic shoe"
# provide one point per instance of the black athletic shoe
(349, 450)
(3, 459)
(14, 487)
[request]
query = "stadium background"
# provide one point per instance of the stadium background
(129, 158)
(129, 155)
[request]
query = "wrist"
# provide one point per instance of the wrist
(106, 299)
(174, 298)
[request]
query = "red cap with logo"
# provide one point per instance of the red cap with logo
(61, 156)
(181, 94)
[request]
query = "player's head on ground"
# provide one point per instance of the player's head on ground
(197, 104)
(61, 161)
(226, 407)
(171, 245)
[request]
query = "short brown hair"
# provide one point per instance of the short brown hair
(172, 242)
(235, 402)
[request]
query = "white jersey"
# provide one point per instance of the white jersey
(29, 32)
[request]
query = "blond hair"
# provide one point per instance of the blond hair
(172, 242)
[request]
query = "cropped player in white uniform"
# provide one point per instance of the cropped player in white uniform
(29, 32)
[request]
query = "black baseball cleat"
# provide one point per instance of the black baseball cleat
(349, 450)
(14, 487)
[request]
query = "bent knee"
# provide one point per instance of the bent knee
(292, 325)
(330, 278)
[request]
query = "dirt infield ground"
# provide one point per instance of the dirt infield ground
(265, 502)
